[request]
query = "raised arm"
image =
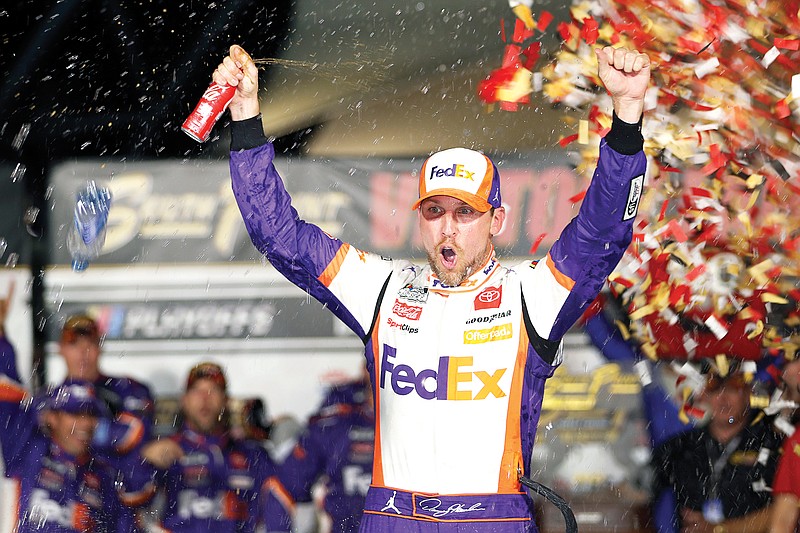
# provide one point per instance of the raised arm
(8, 357)
(333, 272)
(592, 244)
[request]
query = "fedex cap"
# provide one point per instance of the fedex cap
(461, 173)
(76, 396)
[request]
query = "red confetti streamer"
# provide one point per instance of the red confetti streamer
(532, 55)
(696, 272)
(578, 197)
(678, 293)
(787, 44)
(568, 139)
(676, 231)
(544, 20)
(589, 32)
(663, 211)
(537, 242)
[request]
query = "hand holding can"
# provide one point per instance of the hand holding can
(236, 85)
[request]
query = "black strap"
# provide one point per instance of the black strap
(550, 495)
(546, 349)
(365, 338)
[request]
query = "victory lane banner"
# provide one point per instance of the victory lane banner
(184, 211)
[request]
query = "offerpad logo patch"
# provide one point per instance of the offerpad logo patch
(489, 298)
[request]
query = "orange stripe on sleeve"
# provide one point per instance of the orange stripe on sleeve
(377, 460)
(333, 267)
(512, 449)
(133, 435)
(17, 500)
(276, 488)
(11, 392)
(139, 498)
(562, 279)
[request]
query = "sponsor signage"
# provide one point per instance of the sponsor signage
(184, 211)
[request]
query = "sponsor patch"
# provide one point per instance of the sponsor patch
(454, 378)
(238, 461)
(413, 294)
(240, 482)
(50, 479)
(634, 195)
(488, 318)
(489, 298)
(196, 476)
(402, 327)
(497, 333)
(411, 312)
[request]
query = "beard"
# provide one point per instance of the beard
(463, 268)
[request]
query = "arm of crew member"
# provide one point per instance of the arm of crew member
(755, 522)
(785, 512)
(8, 357)
(162, 453)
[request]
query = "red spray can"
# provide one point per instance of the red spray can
(208, 110)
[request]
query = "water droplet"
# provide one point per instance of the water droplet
(22, 134)
(18, 173)
(30, 215)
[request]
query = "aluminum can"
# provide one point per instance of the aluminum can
(207, 111)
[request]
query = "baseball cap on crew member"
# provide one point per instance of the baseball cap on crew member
(207, 370)
(80, 326)
(461, 173)
(76, 396)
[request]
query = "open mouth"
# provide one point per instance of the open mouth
(449, 257)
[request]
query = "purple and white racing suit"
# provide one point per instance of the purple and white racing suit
(57, 492)
(458, 373)
(223, 484)
(340, 448)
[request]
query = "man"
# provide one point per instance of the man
(458, 351)
(721, 473)
(212, 481)
(337, 446)
(129, 401)
(61, 486)
(786, 487)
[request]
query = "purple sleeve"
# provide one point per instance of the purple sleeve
(273, 508)
(8, 360)
(303, 466)
(131, 421)
(277, 507)
(592, 244)
(300, 251)
(19, 423)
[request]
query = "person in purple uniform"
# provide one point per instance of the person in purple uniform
(129, 401)
(336, 447)
(212, 481)
(458, 350)
(62, 487)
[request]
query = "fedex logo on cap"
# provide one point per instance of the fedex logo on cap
(456, 171)
(454, 378)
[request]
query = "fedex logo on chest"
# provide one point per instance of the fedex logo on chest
(454, 378)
